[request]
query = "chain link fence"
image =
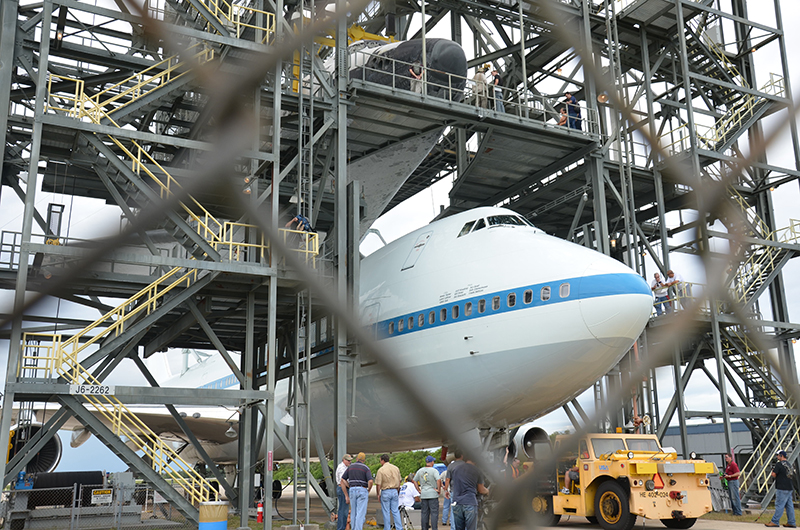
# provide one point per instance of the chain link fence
(88, 506)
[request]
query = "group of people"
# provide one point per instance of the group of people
(570, 112)
(662, 288)
(488, 87)
(782, 473)
(460, 484)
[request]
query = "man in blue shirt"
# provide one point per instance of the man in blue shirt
(302, 223)
(466, 481)
(573, 110)
(358, 481)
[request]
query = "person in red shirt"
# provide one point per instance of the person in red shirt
(732, 476)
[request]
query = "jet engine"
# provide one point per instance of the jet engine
(530, 443)
(48, 456)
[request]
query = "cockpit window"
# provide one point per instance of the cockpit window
(465, 230)
(480, 224)
(495, 220)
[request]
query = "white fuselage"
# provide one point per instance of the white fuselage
(523, 355)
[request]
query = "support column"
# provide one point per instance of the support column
(247, 417)
(15, 346)
(8, 30)
(680, 409)
(341, 360)
(270, 349)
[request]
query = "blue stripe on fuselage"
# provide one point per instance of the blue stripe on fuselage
(582, 287)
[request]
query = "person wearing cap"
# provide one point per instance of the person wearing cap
(428, 483)
(341, 493)
(783, 493)
(357, 479)
(409, 496)
(481, 88)
(387, 486)
(732, 476)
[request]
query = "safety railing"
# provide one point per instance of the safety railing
(784, 431)
(764, 260)
(430, 82)
(122, 422)
(717, 50)
(305, 243)
(678, 139)
(201, 220)
(115, 97)
(743, 353)
(240, 16)
(142, 303)
(681, 296)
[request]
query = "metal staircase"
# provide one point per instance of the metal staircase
(783, 432)
(707, 58)
(54, 358)
(222, 17)
(142, 182)
(751, 365)
(754, 273)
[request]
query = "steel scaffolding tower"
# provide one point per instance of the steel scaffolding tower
(211, 123)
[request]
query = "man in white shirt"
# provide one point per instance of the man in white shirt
(677, 288)
(659, 288)
(341, 493)
(409, 495)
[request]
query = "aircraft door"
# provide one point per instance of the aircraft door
(369, 317)
(416, 252)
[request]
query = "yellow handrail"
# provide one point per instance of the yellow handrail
(123, 422)
(783, 432)
(237, 16)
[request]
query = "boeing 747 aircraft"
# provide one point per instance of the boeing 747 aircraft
(487, 314)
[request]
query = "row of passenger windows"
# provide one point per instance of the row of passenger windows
(419, 320)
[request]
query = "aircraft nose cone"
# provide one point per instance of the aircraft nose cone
(449, 57)
(619, 303)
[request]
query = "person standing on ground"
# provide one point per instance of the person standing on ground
(573, 110)
(445, 500)
(428, 483)
(387, 486)
(467, 482)
(782, 474)
(358, 481)
(497, 86)
(732, 476)
(341, 493)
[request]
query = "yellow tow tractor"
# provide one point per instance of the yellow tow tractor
(623, 476)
